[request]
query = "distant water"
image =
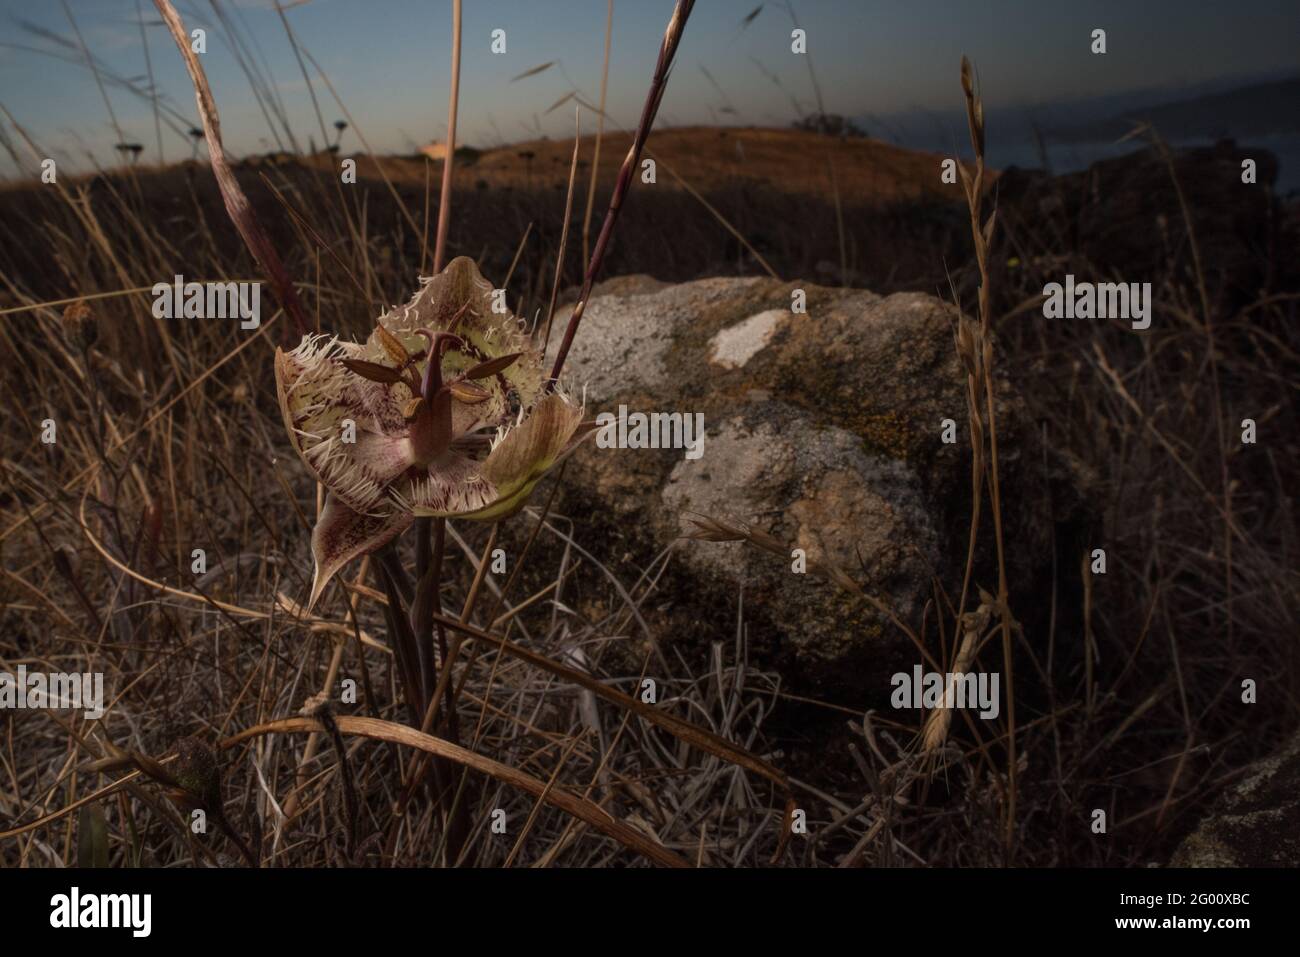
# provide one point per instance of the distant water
(1071, 157)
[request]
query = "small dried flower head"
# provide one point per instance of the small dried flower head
(197, 772)
(451, 415)
(80, 323)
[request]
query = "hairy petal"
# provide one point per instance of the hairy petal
(548, 435)
(460, 300)
(342, 534)
(534, 444)
(317, 394)
(452, 486)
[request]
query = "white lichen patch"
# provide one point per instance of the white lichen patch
(736, 345)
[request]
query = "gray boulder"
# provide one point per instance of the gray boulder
(1256, 823)
(822, 429)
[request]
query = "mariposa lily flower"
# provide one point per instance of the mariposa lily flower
(446, 409)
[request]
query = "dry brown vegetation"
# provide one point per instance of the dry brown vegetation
(709, 158)
(169, 439)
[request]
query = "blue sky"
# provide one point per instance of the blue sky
(389, 60)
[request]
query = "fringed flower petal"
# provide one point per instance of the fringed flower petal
(451, 487)
(318, 394)
(548, 435)
(434, 381)
(460, 300)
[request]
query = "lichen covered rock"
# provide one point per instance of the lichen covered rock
(822, 428)
(1255, 824)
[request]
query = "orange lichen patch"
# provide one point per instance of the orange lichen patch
(886, 433)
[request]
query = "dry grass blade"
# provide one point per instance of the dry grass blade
(237, 205)
(74, 806)
(564, 236)
(533, 71)
(559, 103)
(726, 223)
(658, 84)
(685, 730)
(352, 124)
(982, 235)
(694, 193)
(379, 730)
(448, 164)
(316, 237)
(600, 135)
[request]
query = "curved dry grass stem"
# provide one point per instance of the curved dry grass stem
(564, 234)
(685, 730)
(237, 205)
(54, 816)
(290, 608)
(690, 733)
(581, 808)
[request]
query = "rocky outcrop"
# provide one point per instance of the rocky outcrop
(823, 429)
(1127, 217)
(1256, 824)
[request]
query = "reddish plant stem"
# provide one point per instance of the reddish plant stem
(658, 84)
(237, 206)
